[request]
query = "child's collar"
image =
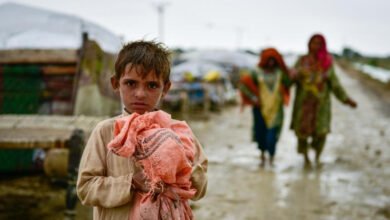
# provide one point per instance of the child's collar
(126, 112)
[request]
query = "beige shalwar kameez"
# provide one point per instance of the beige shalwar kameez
(105, 179)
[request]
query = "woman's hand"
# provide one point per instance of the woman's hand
(351, 103)
(293, 74)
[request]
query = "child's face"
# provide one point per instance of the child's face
(140, 94)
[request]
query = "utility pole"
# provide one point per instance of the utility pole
(160, 6)
(239, 33)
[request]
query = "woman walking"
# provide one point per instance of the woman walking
(315, 79)
(266, 89)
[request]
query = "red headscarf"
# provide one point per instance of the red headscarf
(323, 56)
(268, 53)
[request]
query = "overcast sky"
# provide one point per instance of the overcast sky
(246, 24)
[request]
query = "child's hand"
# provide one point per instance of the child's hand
(157, 191)
(140, 181)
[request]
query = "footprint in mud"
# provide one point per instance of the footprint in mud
(385, 211)
(341, 160)
(378, 153)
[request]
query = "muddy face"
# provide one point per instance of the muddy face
(140, 92)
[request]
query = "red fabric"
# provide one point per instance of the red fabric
(308, 122)
(268, 53)
(322, 55)
(247, 81)
(165, 149)
(285, 95)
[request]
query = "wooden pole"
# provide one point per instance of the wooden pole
(79, 70)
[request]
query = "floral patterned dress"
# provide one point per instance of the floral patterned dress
(312, 105)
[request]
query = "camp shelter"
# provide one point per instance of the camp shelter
(55, 64)
(240, 59)
(54, 88)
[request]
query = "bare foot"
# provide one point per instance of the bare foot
(318, 157)
(307, 163)
(262, 159)
(318, 164)
(271, 161)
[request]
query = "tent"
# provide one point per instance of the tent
(225, 57)
(54, 63)
(198, 69)
(26, 27)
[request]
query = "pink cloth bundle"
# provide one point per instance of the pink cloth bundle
(165, 149)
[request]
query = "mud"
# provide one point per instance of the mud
(352, 182)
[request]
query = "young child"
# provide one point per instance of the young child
(142, 164)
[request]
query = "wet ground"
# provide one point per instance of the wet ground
(352, 183)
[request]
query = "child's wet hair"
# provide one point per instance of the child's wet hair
(145, 56)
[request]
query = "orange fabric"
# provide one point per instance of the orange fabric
(165, 149)
(285, 94)
(247, 81)
(272, 53)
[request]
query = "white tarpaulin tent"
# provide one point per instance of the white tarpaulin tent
(197, 68)
(25, 27)
(237, 58)
(377, 73)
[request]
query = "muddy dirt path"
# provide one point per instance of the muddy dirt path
(353, 182)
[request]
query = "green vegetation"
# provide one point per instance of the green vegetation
(353, 56)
